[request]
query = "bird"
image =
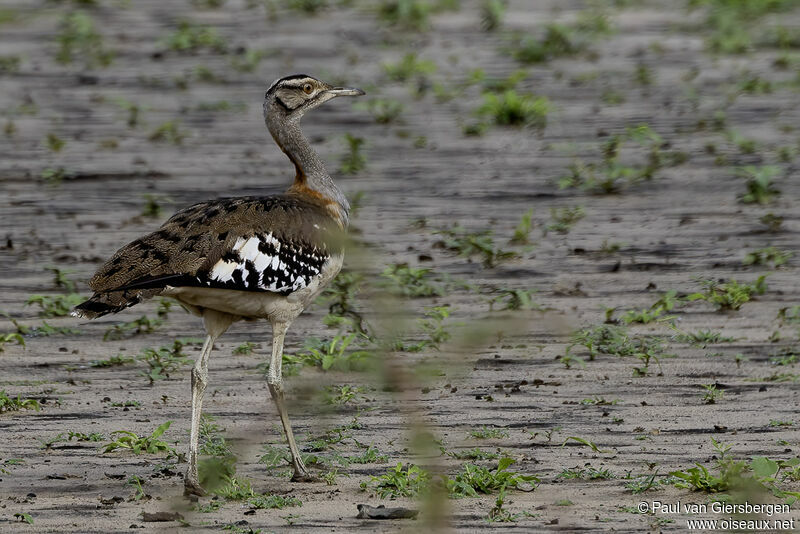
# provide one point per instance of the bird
(242, 258)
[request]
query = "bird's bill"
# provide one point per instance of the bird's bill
(345, 91)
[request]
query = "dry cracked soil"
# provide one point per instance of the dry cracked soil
(654, 135)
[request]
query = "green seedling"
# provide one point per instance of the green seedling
(140, 445)
(353, 161)
(55, 143)
(11, 404)
(142, 325)
(9, 64)
(474, 479)
(514, 299)
(11, 337)
(729, 295)
(190, 38)
(266, 501)
(23, 518)
(114, 361)
(412, 14)
(400, 481)
(767, 256)
(245, 349)
(785, 356)
(310, 7)
(738, 477)
(370, 456)
(489, 433)
(168, 132)
(564, 219)
(61, 279)
(774, 223)
(406, 281)
(334, 354)
(138, 491)
(584, 442)
(249, 61)
(152, 205)
(558, 41)
(470, 244)
(591, 473)
(341, 395)
(523, 230)
(212, 442)
(78, 39)
(384, 111)
(510, 108)
(701, 338)
(163, 361)
(473, 454)
(760, 189)
(55, 305)
(711, 394)
(409, 68)
(492, 13)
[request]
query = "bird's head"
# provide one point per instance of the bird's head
(290, 97)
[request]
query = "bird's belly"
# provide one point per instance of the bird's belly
(256, 304)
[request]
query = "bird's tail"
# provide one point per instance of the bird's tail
(110, 302)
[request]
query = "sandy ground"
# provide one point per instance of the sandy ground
(683, 225)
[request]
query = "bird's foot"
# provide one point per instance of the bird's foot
(303, 476)
(192, 487)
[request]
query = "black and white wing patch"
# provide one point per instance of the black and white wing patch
(266, 263)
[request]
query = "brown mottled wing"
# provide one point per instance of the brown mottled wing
(219, 244)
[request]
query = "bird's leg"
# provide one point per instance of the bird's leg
(199, 382)
(275, 383)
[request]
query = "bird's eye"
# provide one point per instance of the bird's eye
(308, 89)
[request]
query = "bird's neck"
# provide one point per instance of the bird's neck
(311, 178)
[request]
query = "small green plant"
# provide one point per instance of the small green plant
(565, 218)
(475, 453)
(523, 230)
(190, 38)
(140, 445)
(773, 222)
(409, 68)
(163, 361)
(55, 305)
(79, 39)
(353, 161)
(737, 477)
(767, 256)
(474, 479)
(212, 442)
(265, 501)
(412, 282)
(142, 325)
(248, 61)
(152, 205)
(341, 395)
(729, 295)
(702, 338)
(711, 394)
(384, 111)
(54, 142)
(23, 518)
(558, 40)
(11, 337)
(334, 354)
(489, 433)
(400, 481)
(510, 108)
(310, 7)
(138, 491)
(760, 189)
(469, 244)
(11, 404)
(168, 132)
(492, 13)
(514, 299)
(9, 64)
(112, 361)
(412, 14)
(245, 349)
